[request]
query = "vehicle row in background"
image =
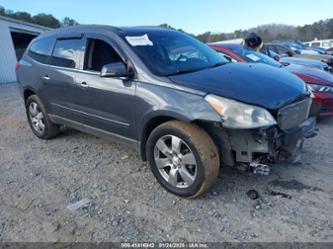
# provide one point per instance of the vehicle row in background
(325, 44)
(286, 60)
(290, 48)
(320, 82)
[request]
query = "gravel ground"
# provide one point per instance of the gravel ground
(39, 179)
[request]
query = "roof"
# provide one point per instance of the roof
(11, 20)
(104, 28)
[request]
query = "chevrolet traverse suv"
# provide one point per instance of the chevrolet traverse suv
(184, 107)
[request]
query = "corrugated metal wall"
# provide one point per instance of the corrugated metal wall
(7, 55)
(7, 50)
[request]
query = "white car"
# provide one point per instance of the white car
(326, 44)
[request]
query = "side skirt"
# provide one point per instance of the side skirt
(96, 132)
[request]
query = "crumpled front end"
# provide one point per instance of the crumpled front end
(259, 148)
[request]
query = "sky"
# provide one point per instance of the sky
(194, 16)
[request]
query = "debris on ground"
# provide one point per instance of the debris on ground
(280, 194)
(79, 204)
(294, 185)
(252, 194)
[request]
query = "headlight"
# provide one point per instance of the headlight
(237, 115)
(320, 88)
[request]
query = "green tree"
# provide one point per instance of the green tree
(2, 11)
(46, 20)
(23, 16)
(66, 22)
(9, 13)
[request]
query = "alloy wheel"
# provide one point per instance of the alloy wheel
(36, 118)
(175, 161)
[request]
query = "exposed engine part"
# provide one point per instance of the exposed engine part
(260, 168)
(263, 146)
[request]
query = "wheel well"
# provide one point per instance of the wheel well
(150, 126)
(27, 93)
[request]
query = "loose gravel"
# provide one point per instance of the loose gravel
(39, 180)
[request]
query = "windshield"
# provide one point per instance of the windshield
(251, 55)
(169, 53)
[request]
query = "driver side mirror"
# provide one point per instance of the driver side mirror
(117, 69)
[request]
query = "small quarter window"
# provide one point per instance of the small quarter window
(41, 49)
(66, 53)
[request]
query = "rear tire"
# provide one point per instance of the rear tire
(38, 119)
(183, 158)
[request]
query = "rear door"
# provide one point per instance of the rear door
(36, 67)
(60, 76)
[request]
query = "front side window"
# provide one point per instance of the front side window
(169, 53)
(41, 49)
(98, 54)
(66, 53)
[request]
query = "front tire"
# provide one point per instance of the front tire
(38, 119)
(183, 158)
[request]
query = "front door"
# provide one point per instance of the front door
(107, 104)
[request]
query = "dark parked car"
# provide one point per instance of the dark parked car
(184, 106)
(298, 50)
(319, 81)
(285, 59)
(329, 51)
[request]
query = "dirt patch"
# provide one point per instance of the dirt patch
(293, 185)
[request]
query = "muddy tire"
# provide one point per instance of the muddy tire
(183, 158)
(38, 119)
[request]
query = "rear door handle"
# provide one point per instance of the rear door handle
(46, 77)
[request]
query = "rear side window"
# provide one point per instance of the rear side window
(41, 49)
(67, 52)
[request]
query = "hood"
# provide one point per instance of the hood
(311, 75)
(256, 84)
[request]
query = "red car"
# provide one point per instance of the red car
(319, 81)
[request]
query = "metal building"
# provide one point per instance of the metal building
(14, 38)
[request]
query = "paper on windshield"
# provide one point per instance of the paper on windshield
(253, 57)
(139, 40)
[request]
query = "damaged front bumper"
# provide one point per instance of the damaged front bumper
(263, 146)
(258, 148)
(249, 145)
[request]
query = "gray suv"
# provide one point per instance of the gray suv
(183, 106)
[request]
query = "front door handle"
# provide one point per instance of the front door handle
(83, 84)
(46, 77)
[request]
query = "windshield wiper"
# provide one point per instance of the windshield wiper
(184, 71)
(181, 72)
(219, 64)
